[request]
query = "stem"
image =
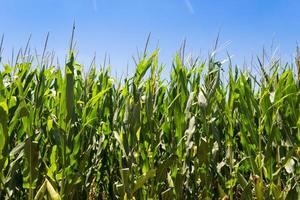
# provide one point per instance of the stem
(259, 149)
(231, 168)
(30, 170)
(63, 167)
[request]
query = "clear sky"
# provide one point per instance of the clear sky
(119, 27)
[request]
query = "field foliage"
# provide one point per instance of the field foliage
(203, 133)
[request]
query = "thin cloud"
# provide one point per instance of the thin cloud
(95, 7)
(189, 6)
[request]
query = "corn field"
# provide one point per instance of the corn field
(69, 133)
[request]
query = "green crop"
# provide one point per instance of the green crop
(70, 135)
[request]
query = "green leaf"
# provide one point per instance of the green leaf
(52, 192)
(167, 194)
(162, 168)
(143, 179)
(41, 192)
(3, 128)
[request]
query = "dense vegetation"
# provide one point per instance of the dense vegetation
(195, 135)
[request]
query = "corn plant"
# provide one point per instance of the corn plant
(68, 134)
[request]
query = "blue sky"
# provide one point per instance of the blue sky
(119, 27)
